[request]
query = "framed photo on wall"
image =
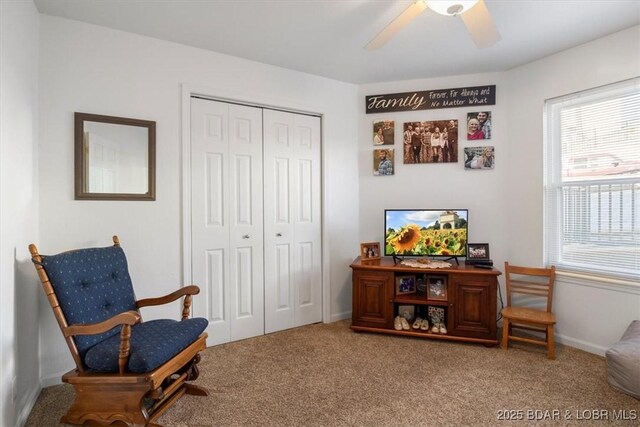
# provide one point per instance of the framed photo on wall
(478, 251)
(383, 161)
(478, 158)
(430, 142)
(383, 132)
(369, 251)
(478, 125)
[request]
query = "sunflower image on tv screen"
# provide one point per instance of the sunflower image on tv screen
(426, 232)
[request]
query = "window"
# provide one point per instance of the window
(592, 181)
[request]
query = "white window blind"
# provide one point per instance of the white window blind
(592, 181)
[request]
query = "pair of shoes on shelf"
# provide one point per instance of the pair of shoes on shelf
(439, 328)
(397, 324)
(400, 323)
(422, 324)
(404, 323)
(417, 323)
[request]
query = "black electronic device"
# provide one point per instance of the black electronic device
(435, 233)
(479, 262)
(486, 267)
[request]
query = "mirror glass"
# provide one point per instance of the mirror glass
(115, 158)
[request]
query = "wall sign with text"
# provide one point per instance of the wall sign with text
(431, 99)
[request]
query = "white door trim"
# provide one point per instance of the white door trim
(223, 94)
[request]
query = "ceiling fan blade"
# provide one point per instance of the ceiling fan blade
(396, 25)
(480, 25)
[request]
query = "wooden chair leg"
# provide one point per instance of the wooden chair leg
(550, 343)
(505, 333)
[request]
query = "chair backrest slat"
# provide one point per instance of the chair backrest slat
(528, 291)
(523, 285)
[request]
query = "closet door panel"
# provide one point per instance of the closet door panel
(292, 220)
(246, 231)
(279, 190)
(210, 215)
(308, 226)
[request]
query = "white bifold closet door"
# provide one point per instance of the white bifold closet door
(292, 218)
(255, 219)
(227, 221)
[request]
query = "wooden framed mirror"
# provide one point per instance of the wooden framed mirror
(115, 158)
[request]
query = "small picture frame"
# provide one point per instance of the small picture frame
(405, 284)
(437, 288)
(479, 158)
(407, 311)
(478, 251)
(383, 132)
(383, 163)
(369, 251)
(479, 125)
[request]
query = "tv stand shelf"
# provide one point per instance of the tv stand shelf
(470, 304)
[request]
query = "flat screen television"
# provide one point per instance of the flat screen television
(426, 232)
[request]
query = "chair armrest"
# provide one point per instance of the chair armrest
(189, 291)
(127, 318)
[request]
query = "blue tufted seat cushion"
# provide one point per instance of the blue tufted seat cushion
(92, 285)
(152, 343)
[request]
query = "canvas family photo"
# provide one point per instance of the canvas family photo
(431, 142)
(479, 125)
(383, 132)
(479, 158)
(383, 161)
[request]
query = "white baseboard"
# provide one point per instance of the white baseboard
(340, 316)
(582, 345)
(27, 405)
(571, 342)
(51, 380)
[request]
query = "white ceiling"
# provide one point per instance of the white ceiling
(326, 37)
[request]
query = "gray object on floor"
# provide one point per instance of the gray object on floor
(623, 362)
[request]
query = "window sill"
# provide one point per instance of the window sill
(601, 282)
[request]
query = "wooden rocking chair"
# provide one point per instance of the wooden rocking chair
(127, 371)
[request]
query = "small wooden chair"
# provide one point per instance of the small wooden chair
(127, 371)
(530, 281)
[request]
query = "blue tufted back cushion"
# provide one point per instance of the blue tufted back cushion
(91, 285)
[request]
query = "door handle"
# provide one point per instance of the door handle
(278, 234)
(245, 236)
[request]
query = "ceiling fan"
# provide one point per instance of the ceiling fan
(474, 14)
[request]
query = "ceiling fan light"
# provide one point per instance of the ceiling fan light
(451, 7)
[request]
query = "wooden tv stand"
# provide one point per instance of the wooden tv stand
(470, 304)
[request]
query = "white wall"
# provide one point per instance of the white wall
(18, 209)
(441, 185)
(591, 315)
(506, 204)
(97, 70)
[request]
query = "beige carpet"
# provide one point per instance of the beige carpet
(328, 375)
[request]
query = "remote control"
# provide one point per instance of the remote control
(486, 267)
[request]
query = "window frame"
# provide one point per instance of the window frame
(554, 186)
